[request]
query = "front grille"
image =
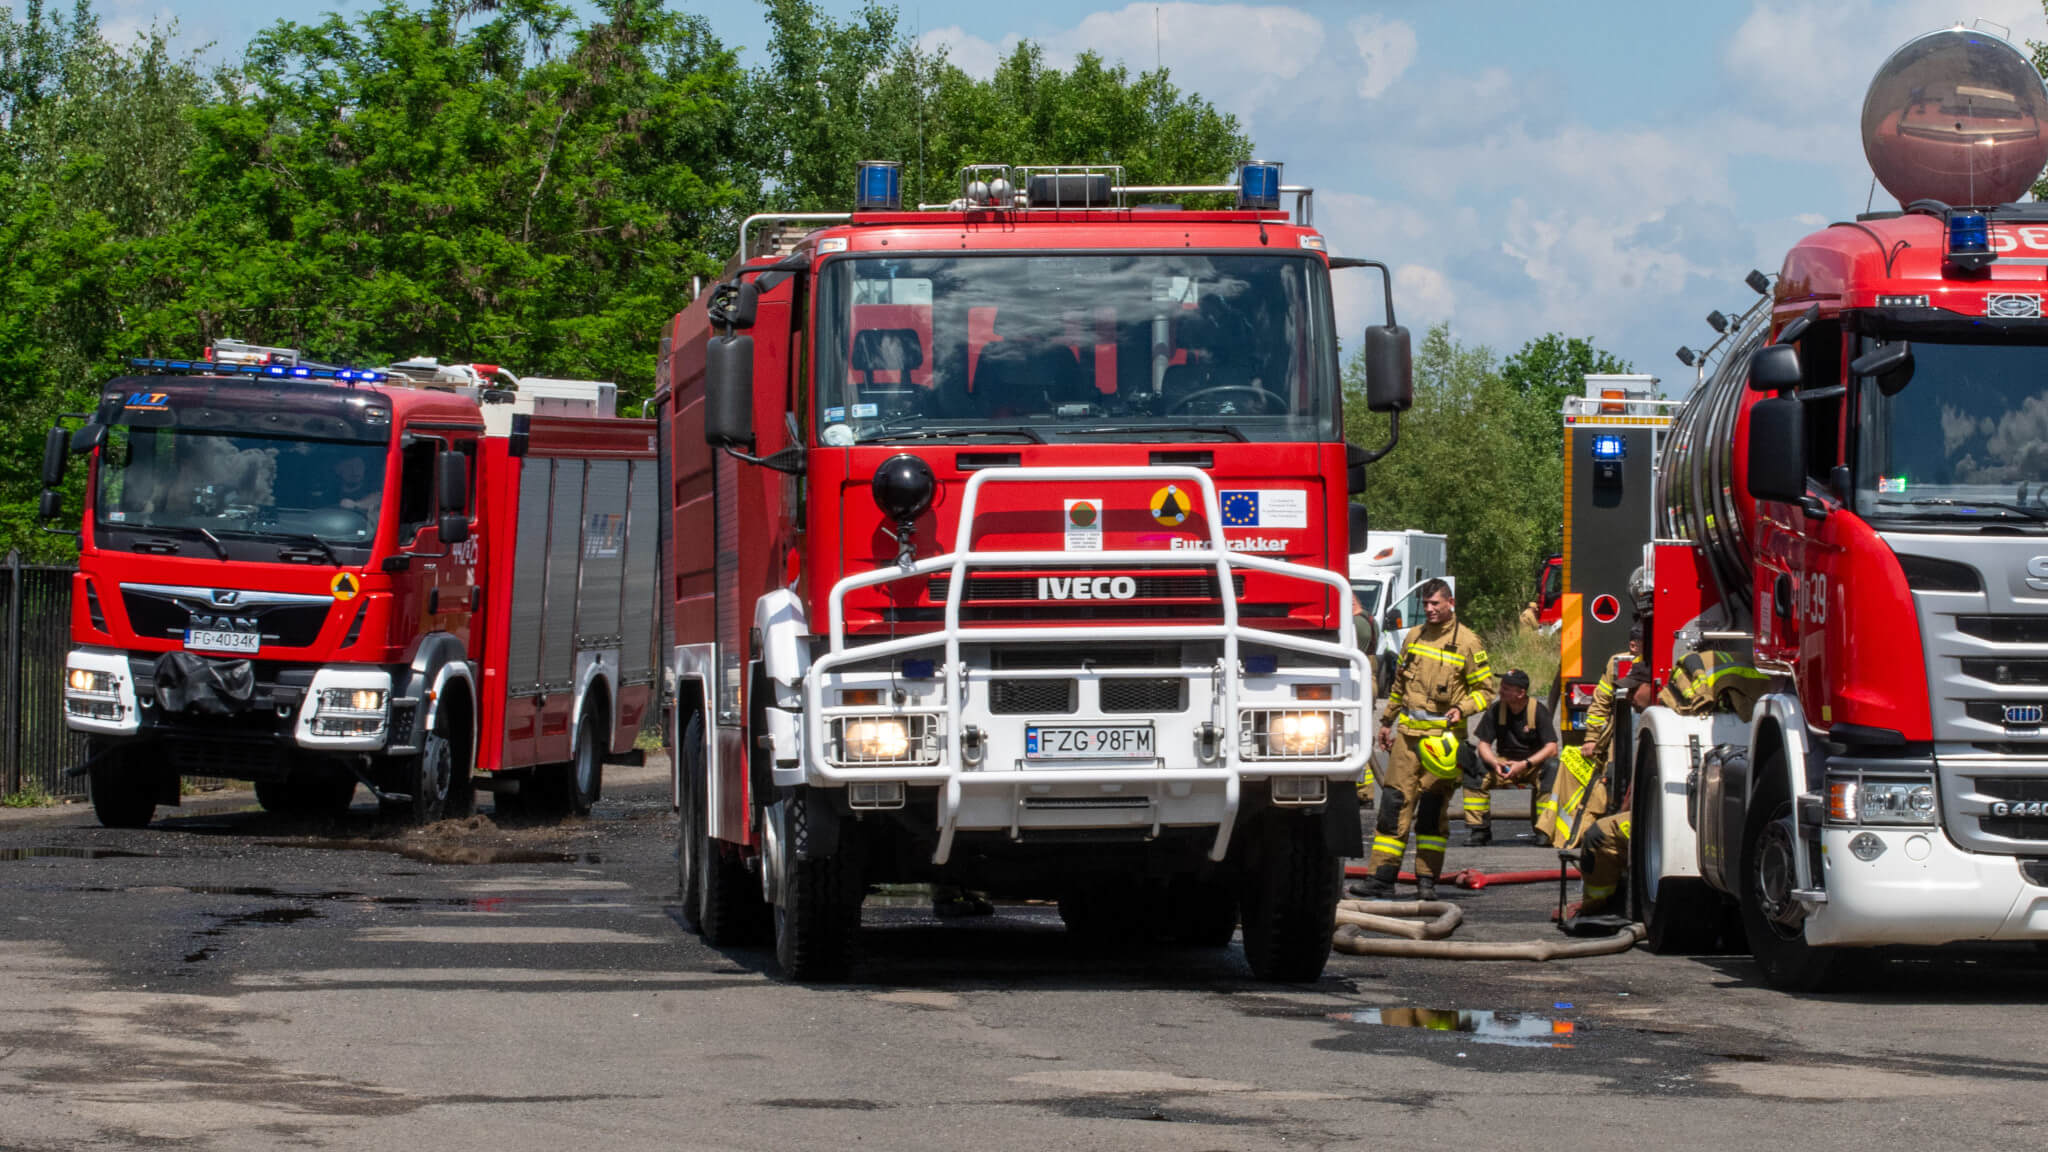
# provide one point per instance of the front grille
(2015, 827)
(2036, 872)
(1928, 574)
(2003, 670)
(284, 625)
(1023, 697)
(2013, 787)
(2005, 629)
(2013, 714)
(1067, 612)
(1046, 656)
(1193, 586)
(1087, 802)
(1163, 694)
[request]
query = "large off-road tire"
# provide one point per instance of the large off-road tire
(1768, 918)
(817, 912)
(122, 796)
(722, 899)
(1288, 898)
(307, 794)
(1680, 914)
(424, 779)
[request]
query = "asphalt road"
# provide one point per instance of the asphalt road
(231, 980)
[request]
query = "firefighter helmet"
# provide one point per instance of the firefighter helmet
(1440, 755)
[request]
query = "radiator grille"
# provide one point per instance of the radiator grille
(1190, 586)
(286, 625)
(2001, 670)
(2005, 629)
(1153, 694)
(1020, 697)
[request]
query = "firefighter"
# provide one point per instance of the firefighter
(1368, 637)
(1443, 677)
(1573, 780)
(1514, 740)
(1603, 853)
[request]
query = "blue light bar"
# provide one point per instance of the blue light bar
(878, 186)
(1969, 233)
(1610, 446)
(1258, 186)
(210, 368)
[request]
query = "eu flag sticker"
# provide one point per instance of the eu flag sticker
(1265, 508)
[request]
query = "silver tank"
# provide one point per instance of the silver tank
(1697, 489)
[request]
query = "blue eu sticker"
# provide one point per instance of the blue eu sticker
(1240, 509)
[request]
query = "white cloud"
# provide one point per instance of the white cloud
(1387, 47)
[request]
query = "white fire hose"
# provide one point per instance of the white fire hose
(1426, 937)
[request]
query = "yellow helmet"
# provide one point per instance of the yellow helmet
(1440, 755)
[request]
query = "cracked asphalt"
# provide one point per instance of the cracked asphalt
(227, 979)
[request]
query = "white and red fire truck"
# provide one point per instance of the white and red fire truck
(1858, 495)
(1009, 540)
(428, 579)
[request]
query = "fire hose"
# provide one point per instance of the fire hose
(1426, 938)
(1472, 879)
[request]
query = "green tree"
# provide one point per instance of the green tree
(1463, 468)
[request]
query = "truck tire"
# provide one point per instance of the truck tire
(817, 917)
(570, 789)
(307, 795)
(1289, 899)
(723, 900)
(121, 796)
(424, 778)
(1680, 914)
(1787, 960)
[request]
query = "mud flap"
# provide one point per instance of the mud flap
(820, 839)
(1341, 832)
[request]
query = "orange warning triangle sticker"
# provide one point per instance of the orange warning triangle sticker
(345, 586)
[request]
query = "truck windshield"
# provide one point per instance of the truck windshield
(1076, 347)
(180, 478)
(1965, 438)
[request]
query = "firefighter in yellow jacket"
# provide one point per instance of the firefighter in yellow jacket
(1556, 815)
(1443, 677)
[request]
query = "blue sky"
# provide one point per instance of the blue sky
(1607, 170)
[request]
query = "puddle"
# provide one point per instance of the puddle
(69, 854)
(1506, 1028)
(260, 916)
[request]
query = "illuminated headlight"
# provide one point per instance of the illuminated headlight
(91, 682)
(359, 700)
(1852, 801)
(1270, 733)
(887, 740)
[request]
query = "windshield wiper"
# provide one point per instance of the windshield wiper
(947, 434)
(275, 534)
(1161, 430)
(2037, 515)
(188, 529)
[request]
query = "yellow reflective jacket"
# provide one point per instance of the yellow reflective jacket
(1442, 667)
(1604, 693)
(1703, 681)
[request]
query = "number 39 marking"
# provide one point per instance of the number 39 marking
(1815, 591)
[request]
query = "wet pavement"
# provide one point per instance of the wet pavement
(226, 979)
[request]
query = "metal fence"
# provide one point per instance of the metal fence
(35, 633)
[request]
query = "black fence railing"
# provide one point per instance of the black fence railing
(35, 634)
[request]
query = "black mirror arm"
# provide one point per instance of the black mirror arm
(1337, 263)
(1393, 438)
(789, 461)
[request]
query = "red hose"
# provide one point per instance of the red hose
(1472, 879)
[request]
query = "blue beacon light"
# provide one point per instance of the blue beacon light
(878, 186)
(1969, 241)
(1258, 186)
(1610, 447)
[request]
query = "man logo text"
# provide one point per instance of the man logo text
(1086, 588)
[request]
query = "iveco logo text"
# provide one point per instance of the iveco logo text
(2023, 715)
(1086, 588)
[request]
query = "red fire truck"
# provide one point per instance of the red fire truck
(1858, 495)
(429, 580)
(1009, 542)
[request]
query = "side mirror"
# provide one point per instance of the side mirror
(454, 528)
(1774, 368)
(1777, 450)
(451, 480)
(56, 450)
(1389, 369)
(1392, 620)
(51, 506)
(729, 392)
(1359, 524)
(734, 305)
(1891, 364)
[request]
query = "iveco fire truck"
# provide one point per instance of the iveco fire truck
(429, 579)
(1009, 539)
(1859, 495)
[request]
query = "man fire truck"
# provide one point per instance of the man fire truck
(1859, 496)
(311, 577)
(1009, 538)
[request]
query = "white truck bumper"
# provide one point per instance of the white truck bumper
(1922, 889)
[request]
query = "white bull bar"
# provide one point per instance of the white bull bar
(955, 776)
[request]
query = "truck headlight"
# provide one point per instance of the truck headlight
(92, 682)
(361, 700)
(1272, 733)
(887, 740)
(1863, 801)
(349, 712)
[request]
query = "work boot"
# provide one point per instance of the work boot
(1425, 887)
(1378, 886)
(1479, 838)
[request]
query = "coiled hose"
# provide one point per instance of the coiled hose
(1426, 938)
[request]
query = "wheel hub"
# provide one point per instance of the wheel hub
(436, 768)
(1776, 876)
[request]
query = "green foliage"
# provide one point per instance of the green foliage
(1479, 460)
(31, 795)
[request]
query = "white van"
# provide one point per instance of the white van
(1386, 576)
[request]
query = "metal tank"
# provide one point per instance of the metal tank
(1699, 496)
(1957, 116)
